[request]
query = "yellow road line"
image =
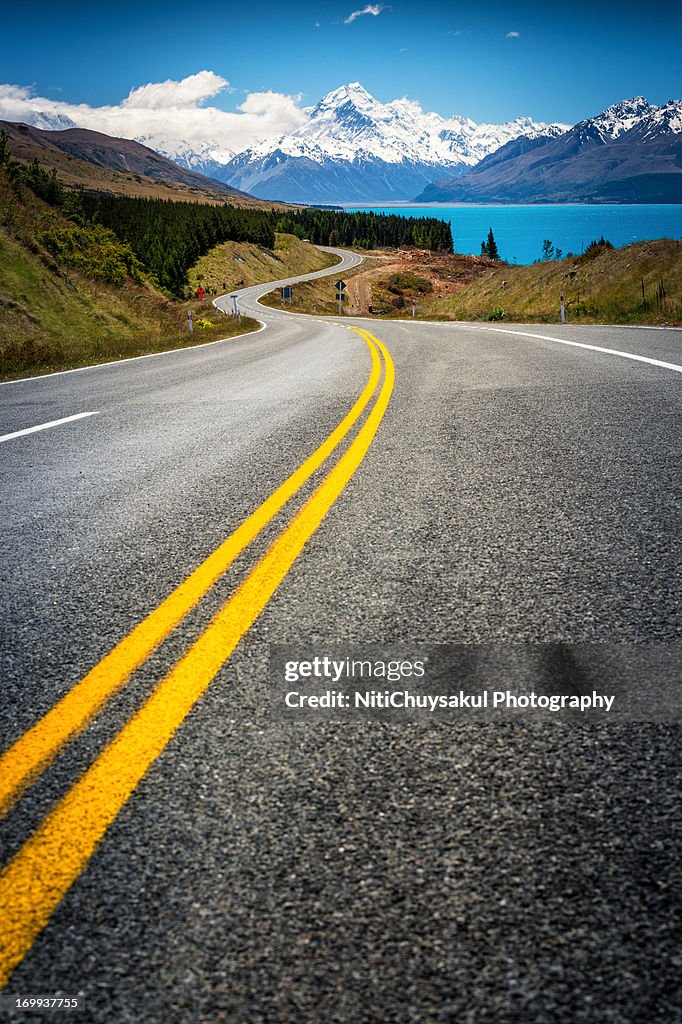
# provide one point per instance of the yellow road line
(28, 757)
(40, 874)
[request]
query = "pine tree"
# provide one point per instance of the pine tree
(491, 247)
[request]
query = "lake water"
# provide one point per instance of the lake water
(520, 230)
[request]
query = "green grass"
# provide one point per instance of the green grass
(603, 288)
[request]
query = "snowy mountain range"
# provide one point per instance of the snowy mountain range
(630, 152)
(354, 148)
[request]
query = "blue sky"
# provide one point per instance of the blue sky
(491, 62)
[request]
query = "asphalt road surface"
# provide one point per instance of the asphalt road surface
(177, 848)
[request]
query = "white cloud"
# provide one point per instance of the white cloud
(373, 9)
(190, 92)
(513, 35)
(170, 111)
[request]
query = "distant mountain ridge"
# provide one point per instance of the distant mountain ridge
(353, 148)
(629, 153)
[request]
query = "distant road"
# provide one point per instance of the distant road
(176, 852)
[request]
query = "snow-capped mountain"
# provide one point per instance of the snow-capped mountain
(615, 120)
(205, 158)
(349, 124)
(629, 153)
(659, 122)
(354, 148)
(50, 122)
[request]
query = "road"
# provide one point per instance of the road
(179, 851)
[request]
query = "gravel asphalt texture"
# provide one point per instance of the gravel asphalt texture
(518, 492)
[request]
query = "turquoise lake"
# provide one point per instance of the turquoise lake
(520, 230)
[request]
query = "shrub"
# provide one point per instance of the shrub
(408, 282)
(94, 251)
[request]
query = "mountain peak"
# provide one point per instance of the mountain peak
(621, 117)
(353, 93)
(665, 120)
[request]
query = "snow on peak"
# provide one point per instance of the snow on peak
(350, 124)
(353, 92)
(48, 122)
(619, 118)
(665, 120)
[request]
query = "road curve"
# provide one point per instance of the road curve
(507, 494)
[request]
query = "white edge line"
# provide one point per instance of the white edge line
(46, 426)
(476, 324)
(592, 348)
(131, 359)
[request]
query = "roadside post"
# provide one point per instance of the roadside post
(190, 323)
(563, 309)
(340, 289)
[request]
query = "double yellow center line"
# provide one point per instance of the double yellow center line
(40, 874)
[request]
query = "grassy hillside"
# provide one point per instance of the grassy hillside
(58, 306)
(239, 264)
(603, 288)
(52, 320)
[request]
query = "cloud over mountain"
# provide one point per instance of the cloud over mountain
(174, 111)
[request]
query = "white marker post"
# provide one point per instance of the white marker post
(563, 309)
(190, 323)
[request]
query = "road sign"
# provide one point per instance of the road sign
(340, 286)
(286, 292)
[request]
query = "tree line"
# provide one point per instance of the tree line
(367, 230)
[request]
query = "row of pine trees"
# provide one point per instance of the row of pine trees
(367, 230)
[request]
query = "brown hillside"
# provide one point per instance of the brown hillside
(85, 159)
